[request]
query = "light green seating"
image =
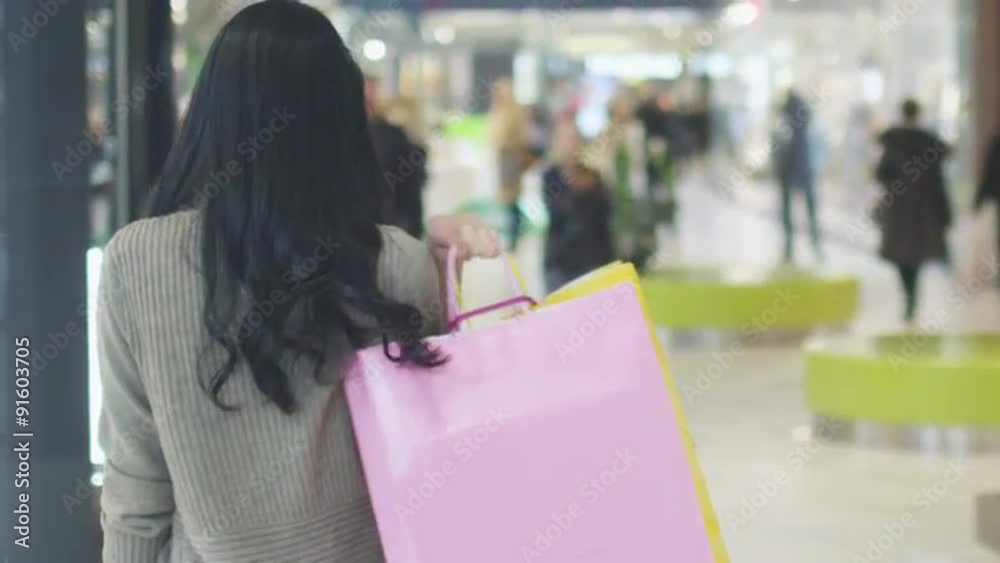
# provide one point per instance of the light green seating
(914, 379)
(473, 127)
(787, 298)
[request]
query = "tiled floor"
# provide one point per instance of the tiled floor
(838, 503)
(838, 499)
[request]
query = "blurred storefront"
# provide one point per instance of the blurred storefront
(855, 60)
(81, 144)
(858, 58)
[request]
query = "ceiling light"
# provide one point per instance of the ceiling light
(374, 49)
(444, 35)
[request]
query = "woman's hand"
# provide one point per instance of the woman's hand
(473, 237)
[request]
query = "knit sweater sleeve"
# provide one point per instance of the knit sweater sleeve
(137, 501)
(407, 273)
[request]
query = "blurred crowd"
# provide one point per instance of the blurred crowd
(614, 195)
(611, 196)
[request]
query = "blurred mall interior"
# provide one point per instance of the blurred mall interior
(92, 92)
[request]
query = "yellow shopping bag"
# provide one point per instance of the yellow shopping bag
(611, 276)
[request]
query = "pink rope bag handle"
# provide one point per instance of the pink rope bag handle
(455, 314)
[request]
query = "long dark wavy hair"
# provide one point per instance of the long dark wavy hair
(276, 156)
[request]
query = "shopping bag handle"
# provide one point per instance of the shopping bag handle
(453, 289)
(460, 318)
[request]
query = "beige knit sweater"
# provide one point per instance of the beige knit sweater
(188, 482)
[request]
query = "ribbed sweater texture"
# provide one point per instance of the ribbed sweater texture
(188, 482)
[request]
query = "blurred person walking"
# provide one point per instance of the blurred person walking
(794, 157)
(235, 312)
(579, 205)
(510, 131)
(405, 113)
(917, 212)
(989, 186)
(562, 102)
(403, 160)
(623, 161)
(668, 145)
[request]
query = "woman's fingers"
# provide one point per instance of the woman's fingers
(486, 243)
(473, 237)
(478, 241)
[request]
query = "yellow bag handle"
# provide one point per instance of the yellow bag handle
(516, 272)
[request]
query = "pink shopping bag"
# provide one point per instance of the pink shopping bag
(548, 437)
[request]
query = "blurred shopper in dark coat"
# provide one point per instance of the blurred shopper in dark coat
(989, 187)
(796, 170)
(914, 211)
(404, 168)
(668, 146)
(579, 204)
(662, 121)
(510, 133)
